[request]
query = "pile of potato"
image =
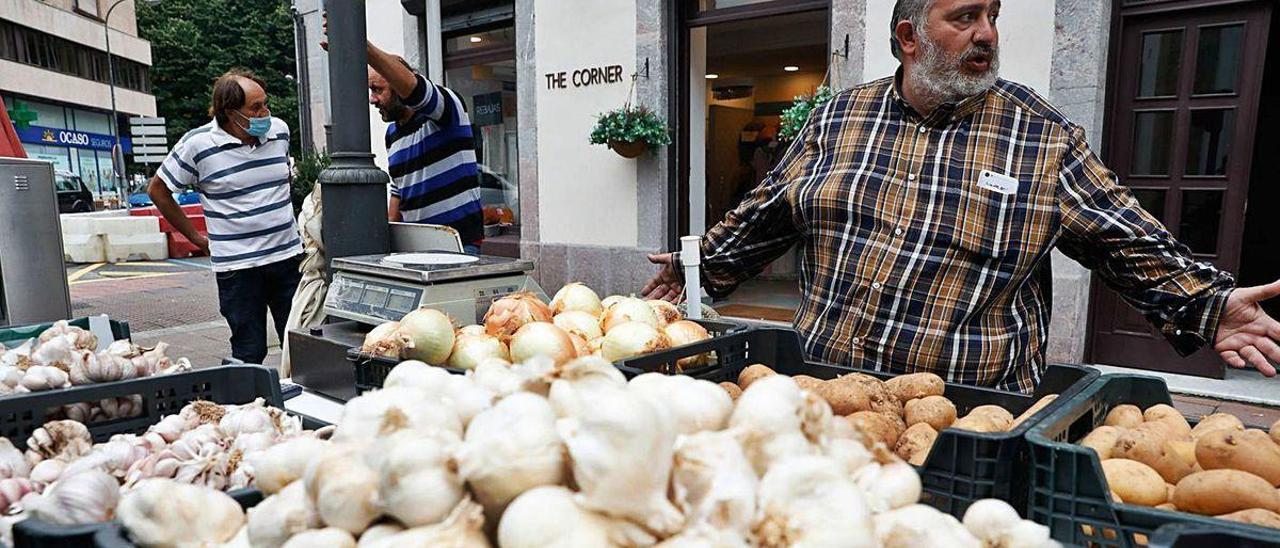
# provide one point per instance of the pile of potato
(1218, 468)
(904, 413)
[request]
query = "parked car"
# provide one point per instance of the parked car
(73, 195)
(142, 199)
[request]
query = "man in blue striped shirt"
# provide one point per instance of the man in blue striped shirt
(239, 163)
(430, 149)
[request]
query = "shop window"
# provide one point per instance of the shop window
(480, 66)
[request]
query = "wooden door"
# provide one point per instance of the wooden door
(1181, 123)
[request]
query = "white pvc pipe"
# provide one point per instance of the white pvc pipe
(691, 258)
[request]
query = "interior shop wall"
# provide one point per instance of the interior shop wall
(1026, 42)
(771, 89)
(586, 193)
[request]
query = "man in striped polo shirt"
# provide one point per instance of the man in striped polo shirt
(239, 163)
(430, 149)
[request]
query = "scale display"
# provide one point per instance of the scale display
(389, 301)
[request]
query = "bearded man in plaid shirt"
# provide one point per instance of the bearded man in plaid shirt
(926, 206)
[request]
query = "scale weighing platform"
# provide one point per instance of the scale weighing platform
(368, 290)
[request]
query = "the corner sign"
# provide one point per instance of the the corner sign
(584, 77)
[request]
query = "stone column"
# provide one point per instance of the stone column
(848, 19)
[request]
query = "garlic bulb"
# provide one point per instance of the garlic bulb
(281, 516)
(997, 524)
(890, 483)
(705, 537)
(387, 411)
(40, 377)
(123, 407)
(56, 351)
(373, 535)
(920, 525)
(12, 463)
(470, 350)
(462, 528)
(284, 463)
(582, 324)
(58, 439)
(620, 447)
(246, 419)
(525, 524)
(79, 338)
(713, 483)
(11, 376)
(510, 449)
(329, 537)
(106, 367)
(19, 357)
(630, 339)
(46, 472)
(695, 405)
(87, 497)
(416, 374)
(419, 483)
(810, 501)
(457, 392)
(627, 310)
(161, 512)
(11, 492)
(774, 418)
(343, 490)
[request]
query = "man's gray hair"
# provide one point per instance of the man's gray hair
(914, 11)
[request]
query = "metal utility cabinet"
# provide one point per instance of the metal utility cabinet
(33, 279)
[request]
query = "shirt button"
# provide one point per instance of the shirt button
(911, 177)
(924, 129)
(897, 232)
(875, 285)
(857, 340)
(1178, 332)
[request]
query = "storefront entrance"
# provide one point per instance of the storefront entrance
(745, 63)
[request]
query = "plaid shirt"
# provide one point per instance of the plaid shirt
(909, 265)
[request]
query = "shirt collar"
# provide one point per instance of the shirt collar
(945, 113)
(223, 137)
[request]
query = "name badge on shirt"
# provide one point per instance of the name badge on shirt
(1003, 184)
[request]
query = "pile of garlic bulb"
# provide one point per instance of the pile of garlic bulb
(65, 355)
(63, 478)
(541, 454)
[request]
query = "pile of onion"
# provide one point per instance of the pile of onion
(542, 339)
(627, 310)
(508, 314)
(685, 332)
(470, 350)
(430, 333)
(579, 323)
(632, 339)
(384, 340)
(666, 312)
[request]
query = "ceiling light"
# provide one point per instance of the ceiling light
(791, 68)
(476, 39)
(712, 76)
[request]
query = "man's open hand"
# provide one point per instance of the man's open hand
(666, 284)
(1247, 336)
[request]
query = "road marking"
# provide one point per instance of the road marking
(80, 273)
(118, 276)
(201, 266)
(147, 263)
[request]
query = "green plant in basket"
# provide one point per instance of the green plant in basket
(794, 117)
(630, 130)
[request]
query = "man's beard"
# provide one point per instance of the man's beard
(939, 77)
(394, 111)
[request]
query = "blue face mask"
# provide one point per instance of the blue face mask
(258, 127)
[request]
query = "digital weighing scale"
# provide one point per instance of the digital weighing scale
(368, 290)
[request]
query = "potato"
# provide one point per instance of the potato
(1167, 506)
(916, 385)
(1216, 421)
(1275, 431)
(1164, 429)
(877, 427)
(882, 400)
(806, 382)
(1035, 408)
(1124, 416)
(1135, 482)
(845, 398)
(1254, 516)
(914, 444)
(985, 418)
(732, 389)
(1102, 439)
(1166, 413)
(1247, 450)
(1152, 449)
(1217, 492)
(1168, 489)
(753, 373)
(937, 411)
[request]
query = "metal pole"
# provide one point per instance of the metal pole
(354, 200)
(303, 81)
(117, 171)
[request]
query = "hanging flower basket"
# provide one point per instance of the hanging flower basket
(795, 116)
(630, 131)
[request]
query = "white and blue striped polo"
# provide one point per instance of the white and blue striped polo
(432, 161)
(244, 190)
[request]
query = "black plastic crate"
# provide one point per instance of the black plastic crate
(9, 335)
(962, 467)
(113, 535)
(1069, 492)
(162, 395)
(1186, 535)
(372, 370)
